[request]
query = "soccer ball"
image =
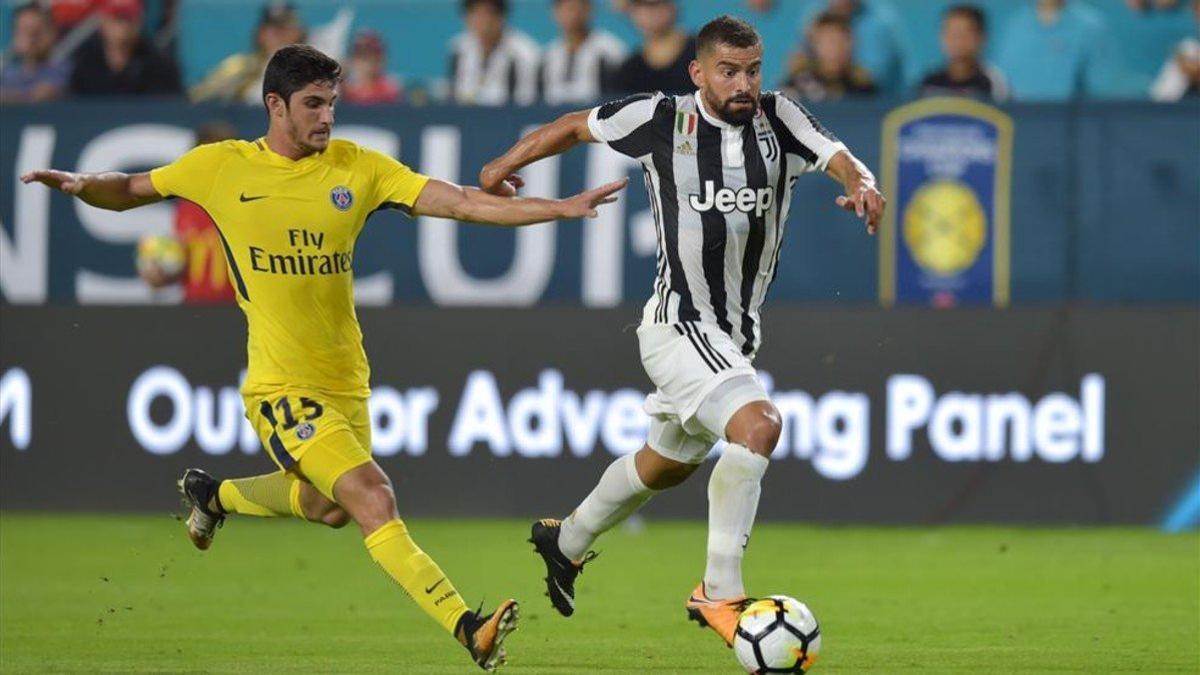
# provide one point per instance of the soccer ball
(777, 634)
(162, 254)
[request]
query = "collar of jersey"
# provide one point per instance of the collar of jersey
(276, 158)
(711, 119)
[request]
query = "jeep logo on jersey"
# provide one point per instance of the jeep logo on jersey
(727, 199)
(341, 197)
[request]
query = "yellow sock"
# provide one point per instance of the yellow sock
(271, 495)
(417, 573)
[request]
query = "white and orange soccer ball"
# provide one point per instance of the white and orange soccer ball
(777, 634)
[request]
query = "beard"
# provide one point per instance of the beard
(307, 143)
(741, 114)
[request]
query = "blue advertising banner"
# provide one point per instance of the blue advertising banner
(947, 168)
(1104, 208)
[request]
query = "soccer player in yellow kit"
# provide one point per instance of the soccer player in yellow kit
(289, 207)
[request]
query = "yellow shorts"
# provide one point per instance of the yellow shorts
(316, 436)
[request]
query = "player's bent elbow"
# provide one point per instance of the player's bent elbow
(576, 123)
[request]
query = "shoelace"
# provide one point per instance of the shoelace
(587, 558)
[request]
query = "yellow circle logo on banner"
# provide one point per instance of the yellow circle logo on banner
(945, 227)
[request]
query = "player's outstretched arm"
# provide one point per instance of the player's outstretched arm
(111, 190)
(862, 196)
(447, 200)
(499, 176)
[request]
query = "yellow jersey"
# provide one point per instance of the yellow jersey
(288, 228)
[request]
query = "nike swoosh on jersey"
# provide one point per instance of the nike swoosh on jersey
(242, 197)
(435, 585)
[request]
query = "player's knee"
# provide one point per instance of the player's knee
(380, 502)
(367, 495)
(758, 428)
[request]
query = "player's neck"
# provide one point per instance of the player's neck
(280, 144)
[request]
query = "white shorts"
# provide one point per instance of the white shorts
(702, 379)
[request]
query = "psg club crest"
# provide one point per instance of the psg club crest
(305, 431)
(341, 197)
(947, 171)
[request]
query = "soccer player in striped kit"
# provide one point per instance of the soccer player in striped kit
(719, 166)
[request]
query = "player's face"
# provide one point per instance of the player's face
(308, 119)
(572, 16)
(730, 80)
(960, 38)
(485, 22)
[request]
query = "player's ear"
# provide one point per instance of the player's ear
(274, 103)
(697, 73)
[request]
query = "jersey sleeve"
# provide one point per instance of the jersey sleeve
(191, 176)
(803, 135)
(396, 185)
(626, 125)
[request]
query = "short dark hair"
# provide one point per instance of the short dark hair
(829, 19)
(726, 30)
(294, 67)
(35, 7)
(969, 12)
(501, 6)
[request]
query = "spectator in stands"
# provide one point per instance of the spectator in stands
(1180, 75)
(118, 61)
(1143, 5)
(31, 76)
(964, 32)
(367, 80)
(662, 62)
(825, 69)
(879, 39)
(205, 275)
(238, 78)
(69, 13)
(578, 65)
(490, 63)
(1056, 50)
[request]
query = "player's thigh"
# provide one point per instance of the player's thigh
(687, 363)
(311, 435)
(668, 439)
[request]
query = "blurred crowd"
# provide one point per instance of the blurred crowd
(1046, 50)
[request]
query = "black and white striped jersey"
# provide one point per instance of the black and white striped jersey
(580, 76)
(506, 75)
(720, 195)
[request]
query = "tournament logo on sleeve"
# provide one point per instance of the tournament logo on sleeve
(947, 172)
(341, 197)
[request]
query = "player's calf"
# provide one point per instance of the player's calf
(317, 508)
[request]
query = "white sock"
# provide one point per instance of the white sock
(733, 492)
(619, 493)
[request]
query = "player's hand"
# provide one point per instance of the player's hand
(865, 200)
(70, 183)
(584, 204)
(500, 183)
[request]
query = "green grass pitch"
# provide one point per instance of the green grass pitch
(129, 594)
